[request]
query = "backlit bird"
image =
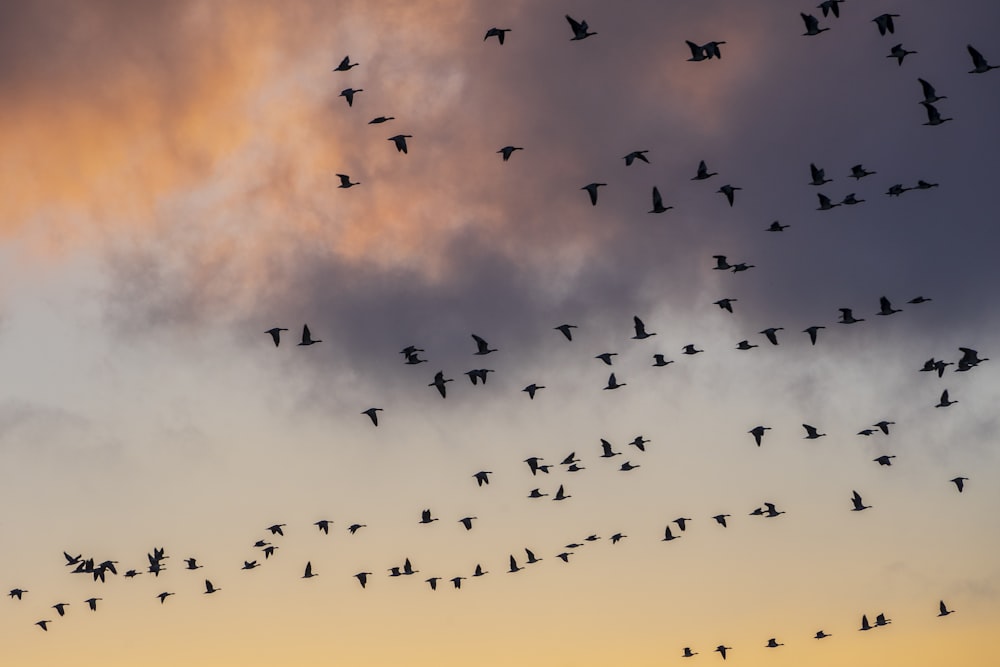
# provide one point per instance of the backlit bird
(898, 52)
(482, 477)
(930, 95)
(439, 382)
(275, 336)
(163, 596)
(323, 525)
(372, 414)
(773, 643)
(824, 202)
(851, 200)
(959, 483)
(933, 115)
(758, 432)
(43, 624)
(591, 189)
(606, 450)
(349, 93)
(566, 330)
(979, 64)
(811, 432)
(668, 536)
(209, 588)
(617, 537)
(830, 6)
(606, 357)
(690, 349)
(881, 620)
(639, 443)
(467, 522)
(531, 557)
(721, 649)
(513, 565)
(507, 151)
(818, 175)
(885, 459)
(400, 141)
(725, 304)
(944, 402)
(721, 263)
(777, 227)
(17, 593)
(456, 581)
(847, 316)
(885, 24)
(703, 172)
(381, 119)
(425, 517)
(561, 494)
(355, 527)
(885, 307)
(858, 172)
(625, 467)
(943, 610)
(479, 571)
(658, 206)
(496, 32)
(772, 334)
(858, 503)
(345, 65)
(635, 155)
(660, 360)
(307, 338)
(532, 388)
(682, 522)
(640, 329)
(729, 191)
(309, 574)
(362, 578)
(812, 25)
(433, 582)
(721, 519)
(896, 190)
(580, 29)
(482, 347)
(613, 382)
(345, 181)
(688, 653)
(276, 529)
(192, 564)
(745, 345)
(821, 635)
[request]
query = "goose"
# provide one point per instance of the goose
(531, 557)
(703, 172)
(209, 588)
(690, 349)
(864, 623)
(309, 574)
(924, 185)
(496, 32)
(617, 537)
(639, 443)
(269, 551)
(858, 172)
(818, 175)
(944, 402)
(507, 151)
(355, 527)
(711, 49)
(72, 560)
(43, 624)
(400, 141)
(536, 493)
(812, 25)
(884, 426)
(959, 483)
(885, 307)
(570, 459)
(933, 115)
(362, 578)
(129, 574)
(830, 6)
(192, 564)
(591, 189)
(625, 467)
(591, 538)
(930, 96)
(60, 607)
(658, 206)
(163, 596)
(575, 468)
(720, 263)
(898, 52)
(847, 317)
(885, 459)
(770, 511)
(979, 64)
(777, 227)
(479, 571)
(482, 477)
(758, 433)
(640, 329)
(580, 29)
(349, 93)
(513, 565)
(439, 382)
(824, 202)
(858, 503)
(606, 357)
(721, 519)
(866, 432)
(345, 65)
(613, 383)
(773, 643)
(606, 450)
(811, 432)
(467, 521)
(275, 333)
(433, 582)
(276, 529)
(772, 334)
(688, 653)
(885, 24)
(456, 581)
(851, 200)
(323, 525)
(721, 649)
(726, 304)
(561, 494)
(659, 360)
(697, 52)
(532, 388)
(425, 517)
(745, 345)
(413, 359)
(881, 620)
(970, 358)
(822, 635)
(742, 266)
(345, 181)
(566, 330)
(307, 338)
(943, 609)
(635, 155)
(729, 191)
(381, 119)
(682, 522)
(407, 568)
(250, 564)
(896, 190)
(373, 414)
(532, 462)
(482, 347)
(564, 556)
(668, 536)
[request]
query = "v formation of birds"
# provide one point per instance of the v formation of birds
(644, 336)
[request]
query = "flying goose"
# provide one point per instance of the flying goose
(400, 141)
(349, 93)
(858, 172)
(944, 402)
(439, 381)
(898, 52)
(959, 483)
(345, 65)
(979, 64)
(635, 155)
(580, 29)
(613, 383)
(591, 189)
(345, 181)
(703, 172)
(811, 432)
(507, 151)
(758, 432)
(818, 175)
(933, 115)
(885, 459)
(372, 414)
(307, 338)
(858, 503)
(885, 24)
(658, 206)
(640, 329)
(496, 32)
(276, 337)
(812, 25)
(532, 388)
(565, 329)
(729, 191)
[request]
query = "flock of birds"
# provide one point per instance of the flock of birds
(100, 569)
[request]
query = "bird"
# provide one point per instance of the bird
(307, 338)
(847, 316)
(970, 358)
(898, 52)
(721, 519)
(566, 330)
(276, 337)
(635, 155)
(777, 227)
(885, 459)
(209, 588)
(407, 568)
(812, 25)
(513, 565)
(729, 191)
(979, 64)
(933, 115)
(536, 493)
(479, 571)
(575, 468)
(323, 525)
(532, 462)
(617, 537)
(381, 119)
(613, 383)
(348, 94)
(482, 477)
(703, 172)
(570, 459)
(43, 624)
(561, 494)
(591, 189)
(73, 560)
(682, 523)
(640, 329)
(884, 426)
(811, 432)
(625, 467)
(467, 522)
(944, 402)
(858, 171)
(345, 65)
(425, 517)
(355, 527)
(959, 483)
(507, 151)
(943, 609)
(17, 593)
(580, 29)
(745, 345)
(864, 623)
(395, 571)
(60, 607)
(770, 511)
(721, 264)
(439, 382)
(482, 347)
(818, 175)
(688, 653)
(531, 557)
(373, 414)
(639, 443)
(606, 357)
(456, 581)
(924, 185)
(884, 23)
(711, 49)
(400, 141)
(250, 564)
(192, 564)
(660, 360)
(829, 6)
(885, 307)
(896, 190)
(721, 649)
(606, 450)
(564, 556)
(772, 334)
(725, 304)
(821, 635)
(697, 52)
(433, 582)
(345, 181)
(496, 32)
(658, 206)
(881, 620)
(690, 349)
(163, 596)
(276, 529)
(309, 574)
(851, 200)
(269, 551)
(824, 202)
(858, 503)
(773, 643)
(362, 578)
(668, 536)
(930, 95)
(758, 432)
(532, 388)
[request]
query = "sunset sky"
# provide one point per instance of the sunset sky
(170, 192)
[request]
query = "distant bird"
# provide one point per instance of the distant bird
(818, 175)
(770, 511)
(885, 24)
(613, 383)
(625, 467)
(373, 414)
(745, 345)
(362, 578)
(658, 206)
(864, 623)
(536, 493)
(758, 432)
(703, 172)
(933, 115)
(345, 181)
(721, 650)
(660, 360)
(17, 593)
(831, 6)
(885, 307)
(690, 349)
(323, 525)
(564, 556)
(479, 571)
(482, 347)
(73, 560)
(507, 151)
(355, 527)
(959, 483)
(635, 155)
(192, 564)
(580, 29)
(400, 141)
(43, 624)
(531, 557)
(721, 264)
(896, 190)
(513, 565)
(772, 334)
(592, 191)
(250, 564)
(575, 468)
(924, 185)
(858, 503)
(309, 574)
(566, 330)
(697, 52)
(885, 459)
(668, 536)
(276, 337)
(898, 52)
(606, 449)
(812, 25)
(773, 643)
(881, 620)
(777, 227)
(979, 64)
(930, 95)
(345, 65)
(425, 517)
(847, 316)
(269, 551)
(276, 529)
(349, 93)
(858, 172)
(307, 338)
(561, 494)
(811, 432)
(884, 426)
(532, 462)
(725, 304)
(851, 200)
(721, 519)
(729, 191)
(711, 49)
(824, 202)
(617, 537)
(640, 329)
(381, 119)
(943, 610)
(456, 581)
(639, 443)
(482, 477)
(606, 357)
(407, 568)
(209, 588)
(163, 596)
(944, 402)
(682, 522)
(532, 388)
(439, 382)
(433, 582)
(496, 32)
(467, 521)
(970, 359)
(688, 653)
(569, 460)
(821, 635)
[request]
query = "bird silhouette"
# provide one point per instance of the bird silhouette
(400, 141)
(496, 32)
(858, 503)
(580, 29)
(812, 25)
(482, 477)
(772, 334)
(378, 120)
(439, 382)
(345, 65)
(725, 304)
(507, 151)
(729, 191)
(362, 578)
(307, 338)
(591, 189)
(959, 483)
(43, 624)
(979, 64)
(425, 517)
(606, 357)
(669, 536)
(745, 345)
(658, 206)
(561, 494)
(566, 330)
(944, 402)
(885, 24)
(721, 649)
(635, 155)
(163, 596)
(355, 527)
(847, 316)
(309, 574)
(372, 414)
(821, 635)
(773, 643)
(703, 172)
(818, 175)
(830, 6)
(777, 227)
(721, 519)
(209, 588)
(532, 388)
(276, 337)
(349, 93)
(858, 172)
(640, 329)
(943, 610)
(345, 181)
(467, 522)
(688, 653)
(885, 459)
(613, 383)
(811, 432)
(758, 432)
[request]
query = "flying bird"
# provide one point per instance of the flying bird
(482, 477)
(606, 357)
(944, 402)
(660, 360)
(635, 155)
(812, 25)
(858, 172)
(830, 6)
(349, 93)
(276, 337)
(209, 588)
(811, 432)
(613, 382)
(821, 635)
(758, 432)
(885, 459)
(163, 596)
(668, 536)
(561, 494)
(979, 64)
(532, 388)
(688, 653)
(323, 525)
(566, 330)
(885, 24)
(580, 29)
(858, 503)
(482, 347)
(345, 181)
(959, 483)
(400, 141)
(818, 175)
(307, 338)
(43, 624)
(898, 52)
(658, 206)
(721, 519)
(381, 119)
(496, 32)
(425, 517)
(725, 304)
(439, 382)
(824, 202)
(772, 334)
(729, 191)
(309, 574)
(745, 345)
(507, 151)
(362, 578)
(943, 610)
(640, 329)
(592, 191)
(933, 115)
(690, 349)
(885, 307)
(373, 414)
(345, 65)
(354, 527)
(777, 227)
(847, 316)
(721, 649)
(467, 521)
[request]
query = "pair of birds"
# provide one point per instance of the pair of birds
(307, 339)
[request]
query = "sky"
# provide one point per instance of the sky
(171, 193)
